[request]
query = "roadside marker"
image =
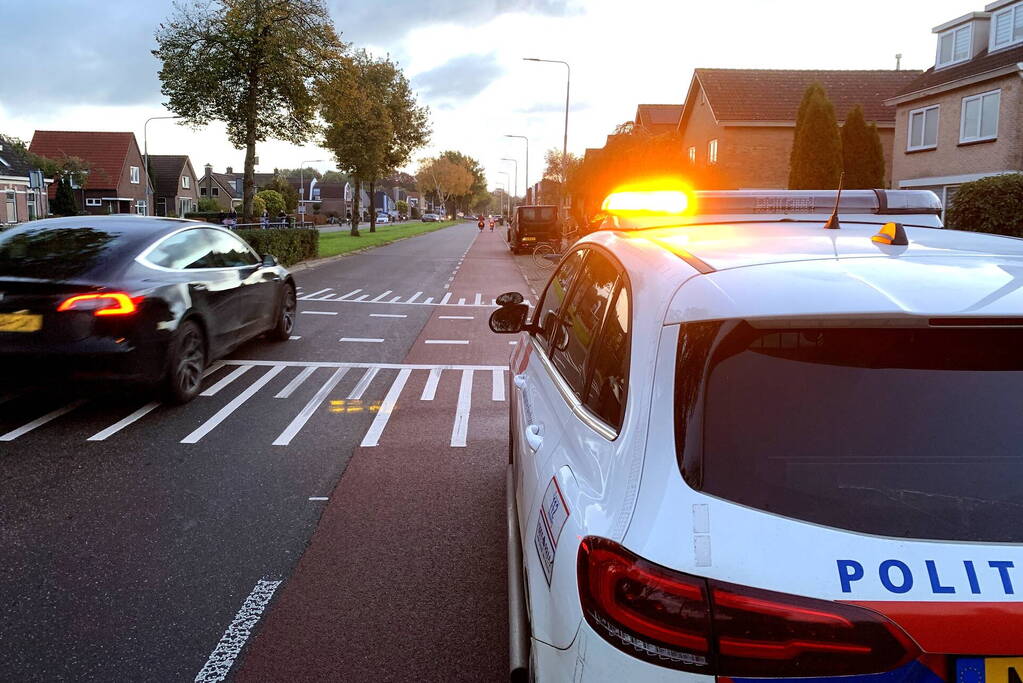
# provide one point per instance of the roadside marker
(235, 374)
(460, 429)
(372, 437)
(430, 390)
(296, 425)
(295, 383)
(40, 421)
(363, 384)
(233, 640)
(225, 412)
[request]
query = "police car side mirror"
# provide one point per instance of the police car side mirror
(509, 319)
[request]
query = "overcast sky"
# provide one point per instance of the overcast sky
(86, 64)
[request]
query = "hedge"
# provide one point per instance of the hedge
(289, 245)
(215, 217)
(993, 204)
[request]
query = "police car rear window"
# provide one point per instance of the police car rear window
(911, 433)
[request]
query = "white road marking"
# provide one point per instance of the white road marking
(234, 374)
(428, 301)
(380, 297)
(295, 383)
(412, 298)
(361, 340)
(387, 315)
(319, 312)
(40, 421)
(460, 430)
(105, 434)
(497, 393)
(446, 286)
(446, 341)
(307, 412)
(455, 317)
(380, 366)
(318, 498)
(394, 300)
(225, 412)
(479, 300)
(461, 302)
(372, 437)
(430, 390)
(362, 298)
(445, 299)
(322, 291)
(363, 384)
(294, 338)
(233, 640)
(351, 293)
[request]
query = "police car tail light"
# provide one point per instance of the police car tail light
(766, 634)
(644, 609)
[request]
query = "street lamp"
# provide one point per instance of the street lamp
(145, 150)
(523, 137)
(301, 182)
(507, 182)
(568, 86)
(516, 162)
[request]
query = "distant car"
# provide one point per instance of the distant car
(146, 299)
(430, 218)
(383, 218)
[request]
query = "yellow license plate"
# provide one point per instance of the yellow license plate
(20, 322)
(989, 669)
(528, 239)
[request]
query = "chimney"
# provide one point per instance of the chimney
(230, 170)
(209, 169)
(898, 62)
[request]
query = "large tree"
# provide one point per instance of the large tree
(816, 160)
(862, 153)
(446, 178)
(477, 191)
(250, 64)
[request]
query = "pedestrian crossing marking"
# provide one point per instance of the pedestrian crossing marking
(478, 300)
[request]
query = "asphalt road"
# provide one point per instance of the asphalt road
(330, 508)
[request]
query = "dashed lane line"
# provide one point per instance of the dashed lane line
(388, 315)
(446, 341)
(372, 437)
(362, 340)
(231, 643)
(319, 312)
(460, 429)
(456, 317)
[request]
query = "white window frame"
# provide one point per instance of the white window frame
(923, 111)
(692, 154)
(186, 182)
(963, 137)
(141, 207)
(712, 151)
(938, 64)
(92, 201)
(134, 175)
(1014, 13)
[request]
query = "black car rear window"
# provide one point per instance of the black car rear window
(911, 433)
(538, 213)
(55, 253)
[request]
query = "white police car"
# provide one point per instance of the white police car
(753, 447)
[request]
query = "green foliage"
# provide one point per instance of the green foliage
(289, 245)
(414, 213)
(215, 217)
(307, 173)
(281, 185)
(816, 161)
(248, 64)
(402, 207)
(993, 204)
(272, 200)
(334, 177)
(862, 153)
(208, 204)
(64, 203)
(258, 206)
(477, 191)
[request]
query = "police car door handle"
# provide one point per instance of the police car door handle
(533, 437)
(520, 381)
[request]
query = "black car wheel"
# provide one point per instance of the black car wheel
(286, 319)
(186, 363)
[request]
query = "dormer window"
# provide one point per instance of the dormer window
(1007, 27)
(954, 46)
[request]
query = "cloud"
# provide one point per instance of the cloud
(552, 108)
(460, 78)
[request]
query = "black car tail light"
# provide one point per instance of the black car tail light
(694, 624)
(103, 304)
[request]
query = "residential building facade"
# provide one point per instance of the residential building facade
(737, 125)
(224, 188)
(657, 119)
(961, 119)
(175, 186)
(22, 188)
(116, 181)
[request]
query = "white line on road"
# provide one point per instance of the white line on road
(318, 498)
(388, 315)
(380, 366)
(294, 338)
(372, 437)
(361, 298)
(319, 312)
(430, 390)
(233, 640)
(40, 421)
(429, 300)
(225, 412)
(235, 374)
(363, 384)
(295, 383)
(362, 340)
(351, 293)
(415, 296)
(373, 301)
(121, 424)
(307, 412)
(460, 430)
(455, 317)
(446, 341)
(479, 300)
(497, 393)
(322, 291)
(445, 299)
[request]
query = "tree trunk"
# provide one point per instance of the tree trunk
(372, 206)
(355, 208)
(249, 184)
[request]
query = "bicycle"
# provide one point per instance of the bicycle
(545, 256)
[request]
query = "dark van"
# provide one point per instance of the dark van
(533, 225)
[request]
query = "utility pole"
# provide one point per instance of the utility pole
(523, 137)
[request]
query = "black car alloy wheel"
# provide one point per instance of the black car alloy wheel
(286, 320)
(187, 363)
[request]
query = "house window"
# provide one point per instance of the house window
(140, 208)
(216, 191)
(954, 46)
(980, 117)
(202, 191)
(90, 201)
(135, 175)
(923, 128)
(712, 152)
(186, 182)
(1007, 27)
(692, 155)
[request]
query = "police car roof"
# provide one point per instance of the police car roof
(799, 269)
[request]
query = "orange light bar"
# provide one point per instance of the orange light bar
(654, 202)
(108, 303)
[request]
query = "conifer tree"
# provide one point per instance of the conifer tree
(862, 154)
(816, 161)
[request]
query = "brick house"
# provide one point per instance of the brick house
(737, 125)
(175, 190)
(21, 196)
(961, 119)
(115, 183)
(657, 119)
(221, 187)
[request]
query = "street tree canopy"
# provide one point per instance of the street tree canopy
(250, 64)
(446, 178)
(477, 193)
(816, 161)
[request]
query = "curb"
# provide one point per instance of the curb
(309, 264)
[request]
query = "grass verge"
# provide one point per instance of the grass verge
(334, 243)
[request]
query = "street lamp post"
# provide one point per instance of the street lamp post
(523, 137)
(568, 87)
(516, 190)
(301, 182)
(145, 151)
(507, 182)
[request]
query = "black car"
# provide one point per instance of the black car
(533, 225)
(147, 299)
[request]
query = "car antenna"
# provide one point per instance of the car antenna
(833, 223)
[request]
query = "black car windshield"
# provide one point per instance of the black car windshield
(55, 253)
(912, 433)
